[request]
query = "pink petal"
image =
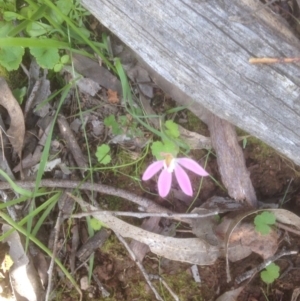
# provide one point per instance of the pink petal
(192, 165)
(152, 169)
(164, 183)
(183, 180)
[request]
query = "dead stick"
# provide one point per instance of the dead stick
(263, 265)
(143, 214)
(72, 143)
(51, 266)
(269, 60)
(147, 204)
(140, 266)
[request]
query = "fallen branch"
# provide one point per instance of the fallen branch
(143, 215)
(263, 265)
(147, 204)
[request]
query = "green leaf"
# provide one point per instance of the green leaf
(19, 94)
(64, 6)
(263, 229)
(245, 141)
(14, 186)
(102, 154)
(123, 120)
(10, 16)
(46, 57)
(58, 67)
(175, 110)
(65, 59)
(96, 224)
(84, 32)
(35, 29)
(27, 11)
(111, 122)
(263, 221)
(172, 129)
(5, 28)
(160, 148)
(11, 57)
(270, 273)
(8, 5)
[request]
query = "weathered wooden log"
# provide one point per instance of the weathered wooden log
(202, 48)
(231, 161)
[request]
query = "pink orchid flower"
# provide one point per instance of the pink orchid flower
(169, 165)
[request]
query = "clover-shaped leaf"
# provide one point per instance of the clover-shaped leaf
(270, 274)
(102, 154)
(112, 122)
(172, 129)
(46, 57)
(263, 222)
(11, 57)
(160, 148)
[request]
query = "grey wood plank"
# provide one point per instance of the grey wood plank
(203, 47)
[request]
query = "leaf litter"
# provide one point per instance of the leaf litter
(212, 242)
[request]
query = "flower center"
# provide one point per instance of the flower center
(169, 162)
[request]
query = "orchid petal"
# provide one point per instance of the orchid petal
(192, 165)
(152, 169)
(183, 180)
(164, 183)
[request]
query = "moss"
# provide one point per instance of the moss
(111, 203)
(195, 124)
(184, 286)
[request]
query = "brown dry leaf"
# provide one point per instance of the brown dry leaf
(231, 227)
(230, 295)
(23, 276)
(16, 131)
(140, 249)
(112, 96)
(264, 245)
(191, 250)
(296, 294)
(286, 217)
(91, 69)
(268, 242)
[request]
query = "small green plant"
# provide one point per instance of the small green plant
(19, 94)
(48, 29)
(64, 59)
(270, 274)
(172, 129)
(169, 143)
(110, 121)
(102, 154)
(124, 125)
(263, 222)
(96, 224)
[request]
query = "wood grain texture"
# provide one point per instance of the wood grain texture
(203, 47)
(231, 161)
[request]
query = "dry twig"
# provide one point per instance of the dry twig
(261, 266)
(143, 215)
(147, 204)
(51, 266)
(140, 266)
